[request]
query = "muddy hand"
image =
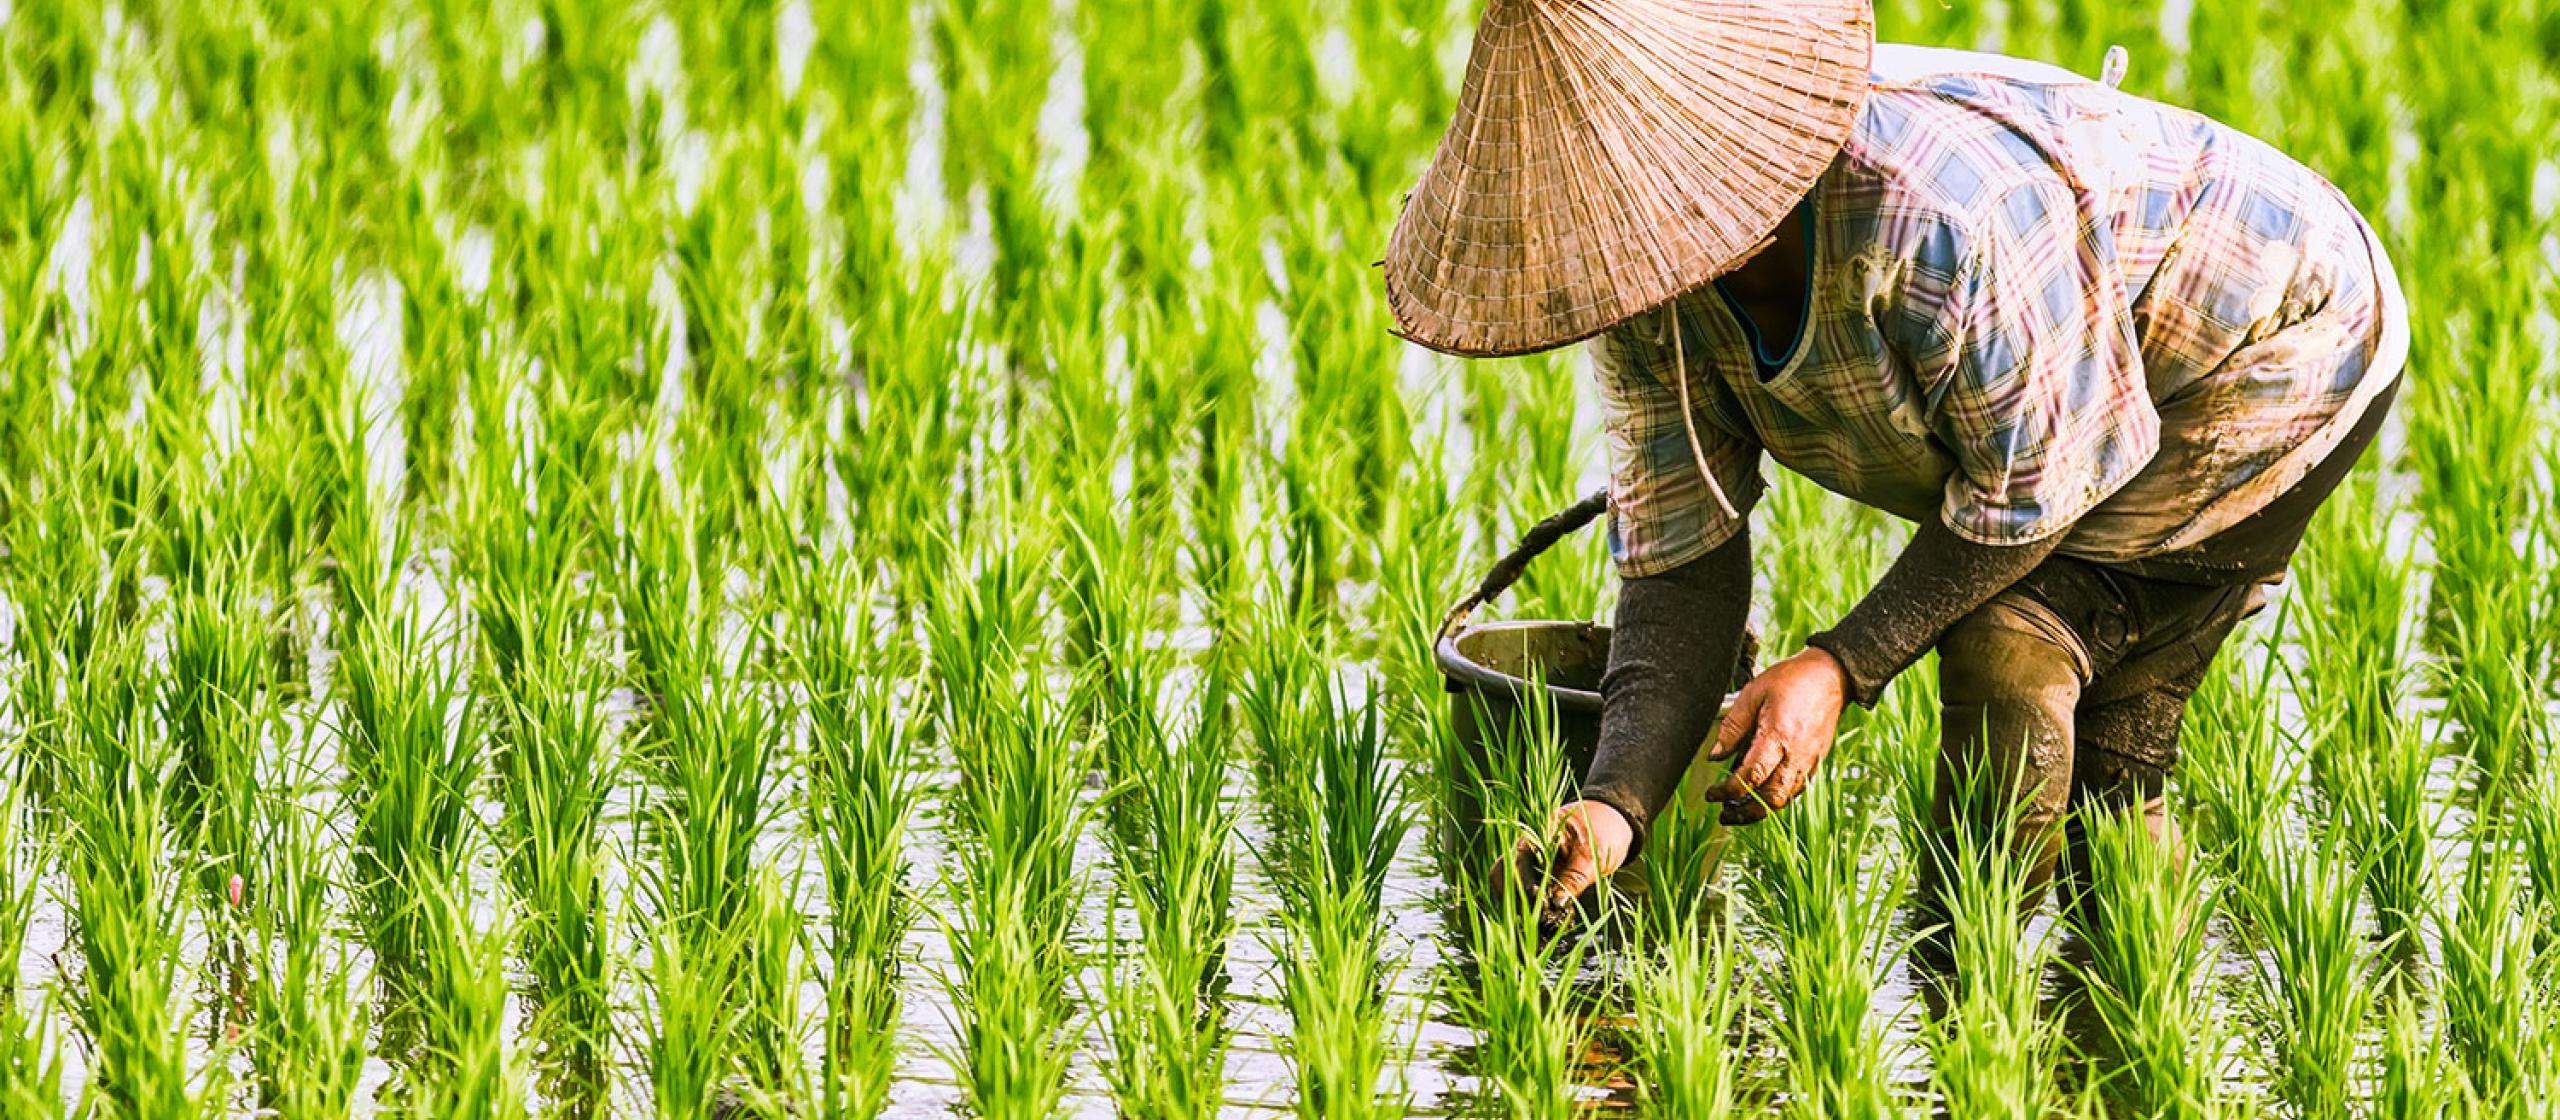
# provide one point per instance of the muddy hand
(1591, 842)
(1782, 725)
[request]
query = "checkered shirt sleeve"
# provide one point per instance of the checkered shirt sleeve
(1661, 515)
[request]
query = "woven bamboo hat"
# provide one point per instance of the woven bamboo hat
(1611, 155)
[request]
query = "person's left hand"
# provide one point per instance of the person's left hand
(1783, 724)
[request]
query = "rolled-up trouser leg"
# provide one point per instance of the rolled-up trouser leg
(2009, 681)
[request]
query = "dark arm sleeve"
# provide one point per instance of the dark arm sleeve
(1939, 578)
(1673, 650)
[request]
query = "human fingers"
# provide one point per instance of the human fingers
(1782, 788)
(1734, 731)
(1576, 867)
(1767, 752)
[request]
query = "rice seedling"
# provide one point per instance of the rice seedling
(1532, 1029)
(1331, 984)
(555, 771)
(309, 1033)
(466, 1067)
(2315, 974)
(1015, 893)
(1517, 981)
(2145, 918)
(214, 705)
(2495, 977)
(1176, 862)
(2415, 1080)
(1691, 1001)
(30, 1064)
(1830, 921)
(124, 887)
(861, 794)
(411, 760)
(1993, 1054)
(2537, 816)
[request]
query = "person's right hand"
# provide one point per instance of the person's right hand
(1591, 842)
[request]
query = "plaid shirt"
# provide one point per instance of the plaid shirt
(2037, 307)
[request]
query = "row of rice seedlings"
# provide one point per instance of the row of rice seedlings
(467, 1066)
(1166, 1009)
(1172, 838)
(68, 564)
(556, 765)
(860, 795)
(712, 754)
(2150, 967)
(1519, 981)
(1332, 794)
(2497, 981)
(1015, 894)
(2537, 816)
(2231, 757)
(1692, 1002)
(2369, 761)
(1994, 1054)
(126, 891)
(309, 1028)
(2316, 978)
(1831, 921)
(412, 759)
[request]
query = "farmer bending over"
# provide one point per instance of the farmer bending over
(2108, 354)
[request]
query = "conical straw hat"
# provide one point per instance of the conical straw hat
(1611, 155)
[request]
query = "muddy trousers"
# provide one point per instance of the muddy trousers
(2066, 692)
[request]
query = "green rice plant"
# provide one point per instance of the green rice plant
(124, 889)
(1691, 1002)
(1994, 1054)
(1177, 865)
(2495, 984)
(772, 972)
(1532, 1030)
(30, 1065)
(2392, 823)
(716, 770)
(1683, 851)
(67, 564)
(2150, 969)
(2355, 626)
(467, 1069)
(216, 708)
(1016, 892)
(2472, 439)
(2315, 975)
(1830, 922)
(1516, 985)
(554, 774)
(1336, 832)
(411, 761)
(1332, 982)
(2230, 758)
(2415, 1079)
(860, 795)
(694, 1023)
(2537, 818)
(309, 1034)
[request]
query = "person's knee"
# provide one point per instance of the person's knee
(2010, 678)
(2010, 652)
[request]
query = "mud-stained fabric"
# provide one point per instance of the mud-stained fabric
(2036, 308)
